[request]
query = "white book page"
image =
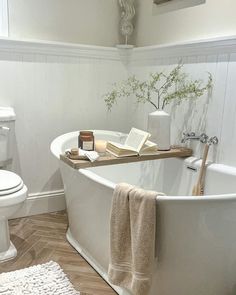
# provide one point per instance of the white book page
(121, 146)
(149, 144)
(136, 139)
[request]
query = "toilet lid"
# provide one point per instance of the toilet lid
(9, 182)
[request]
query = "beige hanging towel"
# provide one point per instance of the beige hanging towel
(132, 238)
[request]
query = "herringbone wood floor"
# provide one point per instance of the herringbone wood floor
(41, 238)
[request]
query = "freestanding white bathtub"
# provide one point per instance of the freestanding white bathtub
(196, 236)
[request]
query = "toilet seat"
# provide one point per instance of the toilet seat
(9, 183)
(13, 193)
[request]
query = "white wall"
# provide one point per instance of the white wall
(216, 114)
(4, 18)
(52, 95)
(57, 90)
(215, 18)
(79, 21)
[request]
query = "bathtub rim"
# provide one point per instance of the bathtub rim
(57, 143)
(103, 181)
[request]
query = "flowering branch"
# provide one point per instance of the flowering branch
(165, 88)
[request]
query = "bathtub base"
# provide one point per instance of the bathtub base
(92, 262)
(196, 245)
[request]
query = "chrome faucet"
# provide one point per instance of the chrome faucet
(213, 140)
(192, 136)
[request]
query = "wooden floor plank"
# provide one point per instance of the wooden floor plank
(41, 238)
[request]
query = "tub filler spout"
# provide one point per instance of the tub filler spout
(192, 136)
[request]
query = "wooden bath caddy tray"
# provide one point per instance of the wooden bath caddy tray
(108, 159)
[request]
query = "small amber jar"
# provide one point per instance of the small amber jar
(86, 140)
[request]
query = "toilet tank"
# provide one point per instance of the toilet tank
(7, 133)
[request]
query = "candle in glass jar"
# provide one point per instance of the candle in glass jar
(100, 146)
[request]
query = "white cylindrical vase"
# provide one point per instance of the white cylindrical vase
(159, 127)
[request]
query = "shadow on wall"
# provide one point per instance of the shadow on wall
(15, 161)
(194, 116)
(55, 181)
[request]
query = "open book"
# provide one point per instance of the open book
(137, 143)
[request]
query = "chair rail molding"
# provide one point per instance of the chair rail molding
(14, 50)
(194, 48)
(25, 50)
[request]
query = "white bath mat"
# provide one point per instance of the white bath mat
(43, 279)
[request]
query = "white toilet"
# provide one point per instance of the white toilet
(13, 192)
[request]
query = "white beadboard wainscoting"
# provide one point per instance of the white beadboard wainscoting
(214, 114)
(57, 88)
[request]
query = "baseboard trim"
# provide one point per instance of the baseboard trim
(40, 203)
